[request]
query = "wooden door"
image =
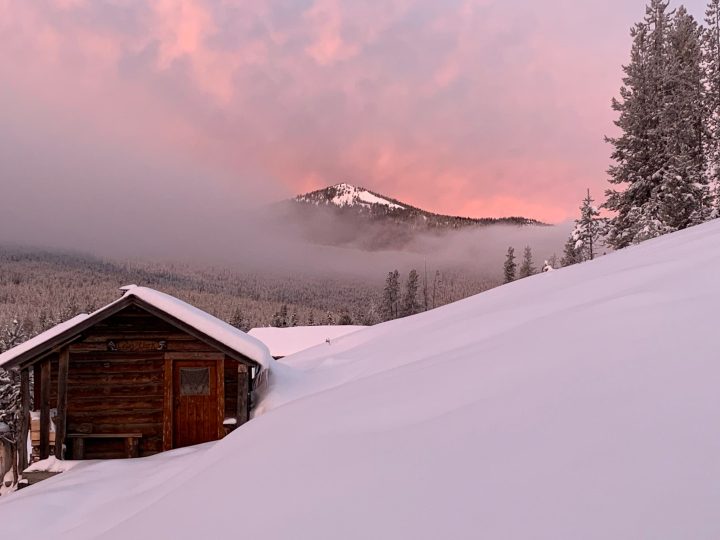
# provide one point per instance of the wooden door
(197, 416)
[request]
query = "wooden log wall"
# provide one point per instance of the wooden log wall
(118, 387)
(122, 390)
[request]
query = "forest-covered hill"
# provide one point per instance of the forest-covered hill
(41, 287)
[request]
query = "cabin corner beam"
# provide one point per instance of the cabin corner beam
(61, 421)
(25, 420)
(45, 409)
(242, 396)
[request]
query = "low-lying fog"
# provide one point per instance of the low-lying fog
(161, 207)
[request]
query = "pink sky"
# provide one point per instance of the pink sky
(475, 107)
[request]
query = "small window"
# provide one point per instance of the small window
(194, 381)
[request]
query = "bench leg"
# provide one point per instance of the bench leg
(78, 448)
(131, 447)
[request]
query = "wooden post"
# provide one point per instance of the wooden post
(45, 409)
(168, 404)
(61, 422)
(25, 420)
(78, 448)
(36, 387)
(242, 395)
(220, 390)
(131, 447)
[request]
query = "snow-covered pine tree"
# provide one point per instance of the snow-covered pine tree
(238, 321)
(311, 319)
(510, 266)
(10, 410)
(527, 268)
(570, 254)
(589, 230)
(294, 319)
(437, 284)
(639, 152)
(711, 100)
(391, 296)
(410, 305)
(684, 197)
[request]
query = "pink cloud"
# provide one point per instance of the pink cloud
(477, 107)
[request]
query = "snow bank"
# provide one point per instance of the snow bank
(580, 403)
(52, 464)
(287, 341)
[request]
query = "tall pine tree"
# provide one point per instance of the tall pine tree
(391, 296)
(660, 157)
(684, 195)
(639, 152)
(510, 266)
(588, 231)
(711, 100)
(410, 305)
(527, 268)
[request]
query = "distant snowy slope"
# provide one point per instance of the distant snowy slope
(348, 195)
(582, 403)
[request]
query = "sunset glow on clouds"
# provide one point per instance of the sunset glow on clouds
(477, 107)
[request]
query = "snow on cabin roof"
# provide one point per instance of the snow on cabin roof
(286, 341)
(202, 321)
(41, 338)
(199, 320)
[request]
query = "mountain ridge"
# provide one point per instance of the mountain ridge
(348, 197)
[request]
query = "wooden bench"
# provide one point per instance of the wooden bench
(132, 442)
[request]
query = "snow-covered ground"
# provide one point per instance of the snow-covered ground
(293, 339)
(582, 403)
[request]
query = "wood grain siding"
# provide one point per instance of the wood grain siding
(121, 390)
(116, 392)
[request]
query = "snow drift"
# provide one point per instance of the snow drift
(581, 403)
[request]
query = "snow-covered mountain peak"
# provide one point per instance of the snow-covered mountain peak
(347, 195)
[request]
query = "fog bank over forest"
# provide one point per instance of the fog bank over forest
(70, 185)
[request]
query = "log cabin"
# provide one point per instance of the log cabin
(144, 374)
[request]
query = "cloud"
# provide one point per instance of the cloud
(482, 107)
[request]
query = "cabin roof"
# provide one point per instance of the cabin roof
(196, 322)
(286, 341)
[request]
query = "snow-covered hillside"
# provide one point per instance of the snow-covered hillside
(581, 403)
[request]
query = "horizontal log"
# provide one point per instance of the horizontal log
(117, 389)
(114, 366)
(119, 435)
(188, 346)
(122, 403)
(194, 356)
(103, 337)
(148, 429)
(121, 377)
(115, 417)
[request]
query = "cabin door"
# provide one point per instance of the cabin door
(196, 408)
